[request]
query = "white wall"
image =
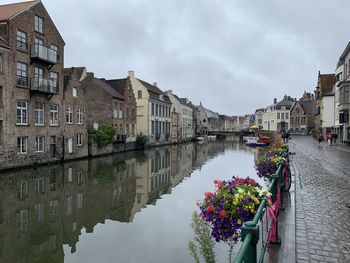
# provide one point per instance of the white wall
(328, 111)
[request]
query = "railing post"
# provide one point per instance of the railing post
(281, 185)
(276, 191)
(253, 230)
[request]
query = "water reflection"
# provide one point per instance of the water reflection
(45, 208)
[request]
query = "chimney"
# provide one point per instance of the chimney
(131, 73)
(274, 101)
(155, 84)
(90, 75)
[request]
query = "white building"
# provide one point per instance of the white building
(276, 116)
(185, 116)
(153, 111)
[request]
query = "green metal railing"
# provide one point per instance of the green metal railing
(250, 231)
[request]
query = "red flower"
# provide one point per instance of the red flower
(239, 181)
(223, 213)
(211, 208)
(218, 184)
(208, 195)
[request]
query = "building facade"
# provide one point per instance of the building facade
(123, 86)
(74, 106)
(324, 95)
(153, 108)
(276, 116)
(259, 117)
(105, 106)
(342, 97)
(185, 116)
(32, 91)
(302, 115)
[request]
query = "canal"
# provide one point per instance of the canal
(132, 207)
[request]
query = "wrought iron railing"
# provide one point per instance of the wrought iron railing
(248, 251)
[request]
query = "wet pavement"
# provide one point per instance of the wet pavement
(322, 185)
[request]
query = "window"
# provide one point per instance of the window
(287, 115)
(156, 109)
(344, 94)
(22, 42)
(22, 77)
(23, 190)
(39, 144)
(152, 109)
(127, 130)
(53, 114)
(133, 112)
(80, 115)
(69, 115)
(22, 144)
(54, 81)
(297, 120)
(22, 112)
(39, 113)
(163, 111)
(22, 221)
(282, 115)
(75, 92)
(132, 129)
(39, 212)
(302, 121)
(53, 53)
(39, 24)
(79, 139)
(79, 199)
(39, 78)
(278, 115)
(1, 63)
(291, 120)
(139, 94)
(127, 112)
(54, 208)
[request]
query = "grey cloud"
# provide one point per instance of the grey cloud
(234, 56)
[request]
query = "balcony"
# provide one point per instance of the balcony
(44, 54)
(45, 86)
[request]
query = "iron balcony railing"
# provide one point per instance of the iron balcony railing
(45, 86)
(45, 54)
(248, 252)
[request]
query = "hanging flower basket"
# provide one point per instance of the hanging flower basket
(230, 205)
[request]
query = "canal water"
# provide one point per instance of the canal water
(132, 207)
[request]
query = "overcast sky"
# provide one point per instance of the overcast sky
(232, 55)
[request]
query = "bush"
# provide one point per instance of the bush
(105, 135)
(141, 141)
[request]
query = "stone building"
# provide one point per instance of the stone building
(31, 54)
(153, 111)
(207, 120)
(74, 106)
(123, 86)
(302, 115)
(104, 106)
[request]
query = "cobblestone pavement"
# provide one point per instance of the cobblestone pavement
(322, 193)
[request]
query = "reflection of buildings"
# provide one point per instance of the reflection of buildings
(41, 209)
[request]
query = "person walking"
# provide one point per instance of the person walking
(320, 139)
(329, 138)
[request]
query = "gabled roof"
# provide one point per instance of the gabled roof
(154, 91)
(326, 83)
(103, 85)
(211, 114)
(8, 11)
(117, 84)
(308, 106)
(73, 73)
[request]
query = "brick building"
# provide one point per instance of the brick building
(302, 115)
(104, 106)
(123, 86)
(74, 106)
(31, 55)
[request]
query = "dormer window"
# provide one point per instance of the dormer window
(161, 97)
(39, 24)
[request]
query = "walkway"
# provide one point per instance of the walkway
(322, 193)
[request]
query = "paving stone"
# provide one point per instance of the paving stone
(322, 192)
